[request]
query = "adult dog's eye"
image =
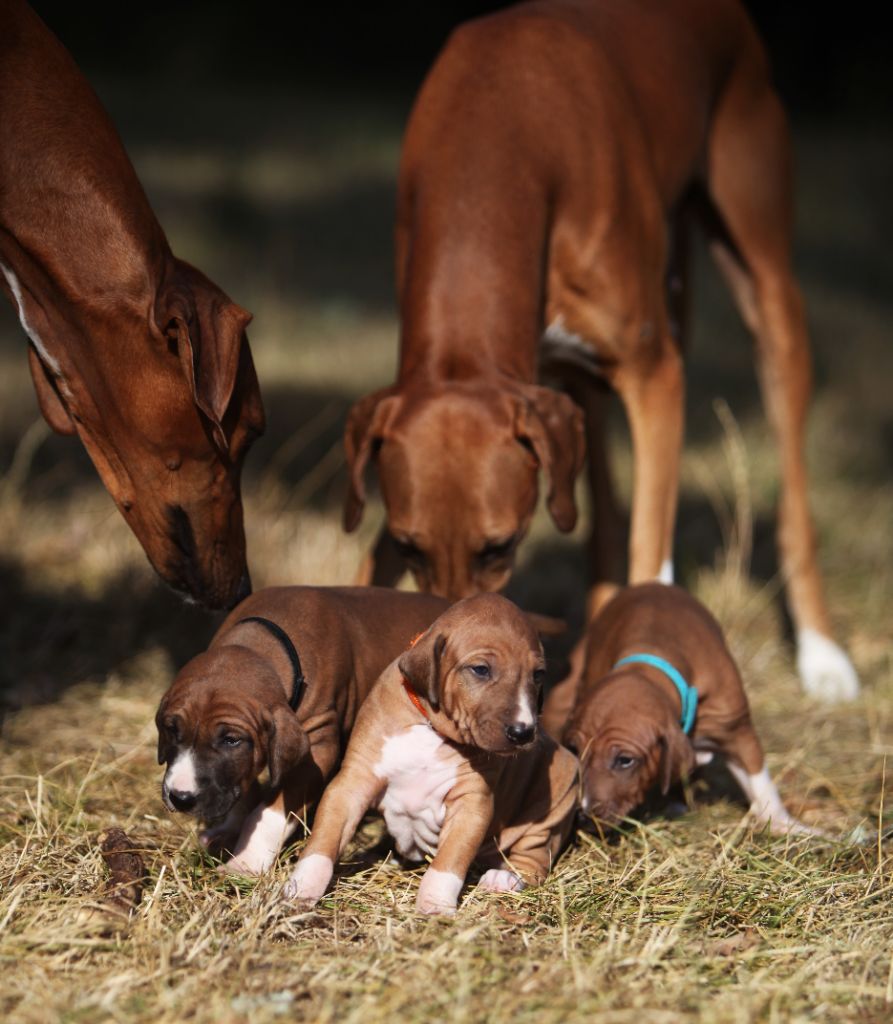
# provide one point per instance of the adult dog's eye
(497, 550)
(408, 550)
(623, 762)
(480, 671)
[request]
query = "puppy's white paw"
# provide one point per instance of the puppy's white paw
(309, 880)
(438, 892)
(500, 880)
(824, 668)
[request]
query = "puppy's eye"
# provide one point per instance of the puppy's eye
(232, 741)
(572, 747)
(172, 725)
(497, 550)
(623, 762)
(539, 676)
(408, 550)
(480, 671)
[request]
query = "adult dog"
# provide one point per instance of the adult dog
(133, 350)
(551, 148)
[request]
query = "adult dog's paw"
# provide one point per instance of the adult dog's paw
(825, 670)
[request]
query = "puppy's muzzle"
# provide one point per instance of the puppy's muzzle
(181, 800)
(520, 733)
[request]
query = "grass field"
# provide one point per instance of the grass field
(694, 918)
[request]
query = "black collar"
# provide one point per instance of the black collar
(299, 683)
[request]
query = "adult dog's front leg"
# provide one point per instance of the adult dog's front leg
(653, 394)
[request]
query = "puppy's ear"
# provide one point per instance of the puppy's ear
(209, 332)
(551, 424)
(677, 759)
(546, 625)
(287, 744)
(363, 432)
(421, 665)
(162, 731)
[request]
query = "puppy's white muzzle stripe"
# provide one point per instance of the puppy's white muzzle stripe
(181, 776)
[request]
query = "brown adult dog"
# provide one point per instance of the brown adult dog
(446, 746)
(550, 148)
(133, 350)
(625, 721)
(227, 716)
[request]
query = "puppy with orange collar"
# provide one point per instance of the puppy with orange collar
(447, 748)
(278, 691)
(661, 694)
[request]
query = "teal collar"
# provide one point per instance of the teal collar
(688, 693)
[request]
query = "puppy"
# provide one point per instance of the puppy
(447, 748)
(278, 690)
(660, 694)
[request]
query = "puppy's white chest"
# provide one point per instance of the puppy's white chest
(418, 779)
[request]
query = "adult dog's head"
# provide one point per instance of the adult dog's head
(224, 720)
(627, 736)
(166, 402)
(458, 466)
(480, 668)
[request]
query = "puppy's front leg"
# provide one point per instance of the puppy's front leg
(265, 832)
(745, 760)
(348, 797)
(465, 825)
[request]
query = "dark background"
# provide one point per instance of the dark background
(829, 59)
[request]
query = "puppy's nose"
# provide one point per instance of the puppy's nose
(520, 733)
(183, 800)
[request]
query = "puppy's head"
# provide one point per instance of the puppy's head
(223, 721)
(480, 667)
(482, 441)
(628, 739)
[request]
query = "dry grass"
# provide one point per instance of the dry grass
(688, 919)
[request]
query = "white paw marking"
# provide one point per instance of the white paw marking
(766, 807)
(309, 879)
(418, 779)
(500, 880)
(824, 668)
(438, 892)
(666, 574)
(261, 839)
(181, 775)
(36, 340)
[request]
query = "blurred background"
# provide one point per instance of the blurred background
(267, 137)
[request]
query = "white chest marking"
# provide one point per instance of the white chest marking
(418, 779)
(181, 775)
(36, 340)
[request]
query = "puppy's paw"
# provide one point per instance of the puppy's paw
(309, 880)
(247, 866)
(500, 880)
(824, 668)
(438, 892)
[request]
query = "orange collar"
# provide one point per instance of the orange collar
(414, 697)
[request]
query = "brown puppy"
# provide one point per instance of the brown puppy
(278, 694)
(446, 747)
(133, 350)
(627, 721)
(541, 203)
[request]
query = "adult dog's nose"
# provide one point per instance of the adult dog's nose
(520, 733)
(182, 800)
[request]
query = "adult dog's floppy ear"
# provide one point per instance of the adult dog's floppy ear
(287, 744)
(365, 428)
(551, 424)
(209, 330)
(421, 665)
(677, 757)
(51, 405)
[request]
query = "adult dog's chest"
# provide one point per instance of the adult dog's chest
(419, 770)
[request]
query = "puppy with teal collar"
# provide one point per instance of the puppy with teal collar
(660, 694)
